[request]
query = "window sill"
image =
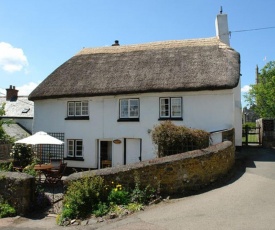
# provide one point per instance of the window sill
(78, 118)
(171, 118)
(74, 158)
(128, 119)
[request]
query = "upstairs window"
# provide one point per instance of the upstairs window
(78, 109)
(75, 148)
(129, 110)
(170, 108)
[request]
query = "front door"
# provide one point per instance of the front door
(133, 150)
(105, 154)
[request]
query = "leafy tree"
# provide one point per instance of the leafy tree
(3, 136)
(262, 94)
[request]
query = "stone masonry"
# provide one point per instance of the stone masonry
(176, 174)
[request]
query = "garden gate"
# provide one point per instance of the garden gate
(251, 136)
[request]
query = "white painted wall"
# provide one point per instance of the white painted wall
(238, 115)
(208, 110)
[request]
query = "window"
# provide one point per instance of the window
(170, 108)
(129, 109)
(78, 109)
(75, 148)
(25, 110)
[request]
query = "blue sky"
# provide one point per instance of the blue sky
(37, 36)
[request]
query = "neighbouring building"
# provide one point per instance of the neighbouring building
(20, 110)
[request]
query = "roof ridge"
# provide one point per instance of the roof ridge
(152, 45)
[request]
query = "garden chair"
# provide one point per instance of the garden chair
(56, 164)
(54, 177)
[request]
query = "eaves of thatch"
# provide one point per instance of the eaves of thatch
(169, 66)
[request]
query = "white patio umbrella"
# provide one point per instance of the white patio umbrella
(40, 138)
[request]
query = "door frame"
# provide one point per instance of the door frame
(99, 152)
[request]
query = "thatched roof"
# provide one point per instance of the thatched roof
(187, 65)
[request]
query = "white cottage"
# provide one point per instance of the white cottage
(104, 102)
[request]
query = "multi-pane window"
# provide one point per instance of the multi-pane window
(78, 108)
(129, 108)
(170, 107)
(75, 148)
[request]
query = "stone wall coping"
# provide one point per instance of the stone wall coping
(15, 175)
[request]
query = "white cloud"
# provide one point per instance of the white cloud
(12, 59)
(245, 89)
(2, 92)
(23, 90)
(26, 89)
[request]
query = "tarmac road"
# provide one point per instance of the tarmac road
(247, 202)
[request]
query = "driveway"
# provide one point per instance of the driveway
(246, 202)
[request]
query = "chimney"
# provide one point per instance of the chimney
(222, 31)
(12, 94)
(116, 43)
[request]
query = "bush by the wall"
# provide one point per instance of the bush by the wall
(6, 210)
(251, 125)
(172, 139)
(22, 155)
(82, 197)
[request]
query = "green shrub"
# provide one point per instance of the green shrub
(172, 139)
(141, 195)
(101, 209)
(30, 170)
(89, 195)
(22, 155)
(6, 166)
(134, 207)
(6, 210)
(119, 195)
(251, 125)
(83, 197)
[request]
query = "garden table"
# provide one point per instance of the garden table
(42, 167)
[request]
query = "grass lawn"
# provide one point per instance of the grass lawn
(251, 138)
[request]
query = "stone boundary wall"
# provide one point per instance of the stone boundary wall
(5, 151)
(267, 132)
(176, 174)
(18, 189)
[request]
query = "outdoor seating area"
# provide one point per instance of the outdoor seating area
(54, 176)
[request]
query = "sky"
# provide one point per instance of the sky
(38, 36)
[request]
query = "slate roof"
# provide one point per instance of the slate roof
(16, 131)
(184, 65)
(20, 108)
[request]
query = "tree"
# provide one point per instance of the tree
(3, 136)
(261, 95)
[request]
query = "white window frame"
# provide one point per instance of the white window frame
(78, 108)
(167, 106)
(129, 106)
(74, 146)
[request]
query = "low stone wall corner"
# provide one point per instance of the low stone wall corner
(18, 189)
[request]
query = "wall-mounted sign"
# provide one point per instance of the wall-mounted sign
(117, 141)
